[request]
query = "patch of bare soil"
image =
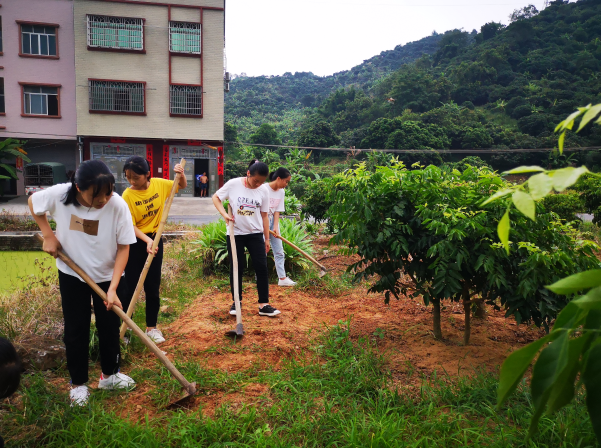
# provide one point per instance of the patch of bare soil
(401, 330)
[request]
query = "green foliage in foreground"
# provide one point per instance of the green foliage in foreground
(338, 398)
(573, 348)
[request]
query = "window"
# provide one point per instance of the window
(2, 108)
(185, 100)
(117, 97)
(38, 40)
(40, 100)
(184, 37)
(118, 33)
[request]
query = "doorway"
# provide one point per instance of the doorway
(201, 166)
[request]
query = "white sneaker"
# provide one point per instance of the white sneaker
(116, 381)
(156, 336)
(286, 282)
(79, 396)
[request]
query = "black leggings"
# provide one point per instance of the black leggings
(152, 284)
(75, 298)
(255, 243)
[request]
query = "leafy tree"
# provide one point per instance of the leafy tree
(10, 149)
(319, 135)
(490, 30)
(423, 234)
(527, 12)
(265, 135)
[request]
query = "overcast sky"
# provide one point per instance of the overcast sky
(271, 37)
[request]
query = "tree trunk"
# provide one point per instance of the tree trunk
(467, 308)
(436, 318)
(480, 310)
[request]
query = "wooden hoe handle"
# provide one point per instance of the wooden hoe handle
(321, 266)
(145, 339)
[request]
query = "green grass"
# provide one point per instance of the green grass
(341, 397)
(18, 267)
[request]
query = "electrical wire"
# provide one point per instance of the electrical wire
(421, 151)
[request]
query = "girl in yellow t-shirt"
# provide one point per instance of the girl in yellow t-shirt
(146, 198)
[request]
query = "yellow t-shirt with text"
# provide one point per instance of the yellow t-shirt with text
(146, 206)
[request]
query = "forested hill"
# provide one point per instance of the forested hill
(255, 99)
(505, 87)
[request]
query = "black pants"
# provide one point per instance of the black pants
(75, 298)
(152, 284)
(255, 243)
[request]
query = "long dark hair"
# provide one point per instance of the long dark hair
(281, 172)
(10, 369)
(257, 167)
(138, 165)
(91, 173)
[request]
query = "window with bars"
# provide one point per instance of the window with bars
(115, 33)
(185, 100)
(40, 100)
(184, 37)
(117, 96)
(38, 40)
(2, 107)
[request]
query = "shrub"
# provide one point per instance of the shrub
(297, 235)
(566, 205)
(590, 191)
(292, 205)
(315, 202)
(424, 233)
(213, 247)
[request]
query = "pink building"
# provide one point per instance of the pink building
(37, 81)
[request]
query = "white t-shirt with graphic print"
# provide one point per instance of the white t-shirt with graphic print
(247, 205)
(276, 200)
(89, 236)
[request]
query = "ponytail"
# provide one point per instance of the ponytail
(257, 167)
(91, 173)
(281, 172)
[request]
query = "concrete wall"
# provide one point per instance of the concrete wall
(37, 70)
(153, 68)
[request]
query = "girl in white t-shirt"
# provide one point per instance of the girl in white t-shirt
(279, 180)
(94, 228)
(250, 205)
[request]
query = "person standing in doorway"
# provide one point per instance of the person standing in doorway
(93, 228)
(204, 185)
(279, 180)
(250, 206)
(146, 198)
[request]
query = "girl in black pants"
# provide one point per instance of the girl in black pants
(94, 228)
(146, 198)
(250, 207)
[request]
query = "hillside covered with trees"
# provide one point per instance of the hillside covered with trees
(501, 87)
(283, 100)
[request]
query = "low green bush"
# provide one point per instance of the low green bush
(590, 191)
(292, 205)
(565, 205)
(212, 247)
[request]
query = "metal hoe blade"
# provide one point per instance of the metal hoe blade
(238, 333)
(183, 399)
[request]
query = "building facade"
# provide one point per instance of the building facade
(149, 79)
(37, 82)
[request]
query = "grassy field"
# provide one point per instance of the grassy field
(337, 391)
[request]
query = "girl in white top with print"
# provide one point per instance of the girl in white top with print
(279, 180)
(94, 228)
(250, 204)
